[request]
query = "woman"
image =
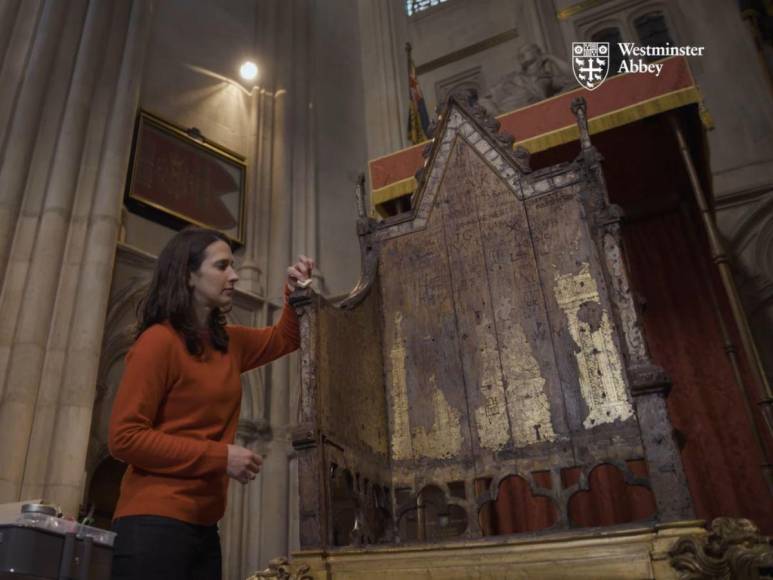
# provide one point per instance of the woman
(176, 410)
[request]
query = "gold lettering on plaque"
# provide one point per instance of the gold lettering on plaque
(401, 435)
(599, 363)
(444, 439)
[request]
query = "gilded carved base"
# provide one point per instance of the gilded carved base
(733, 550)
(282, 569)
(640, 552)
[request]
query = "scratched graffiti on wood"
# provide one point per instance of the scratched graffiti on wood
(419, 331)
(474, 280)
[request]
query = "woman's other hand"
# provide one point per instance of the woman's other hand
(243, 464)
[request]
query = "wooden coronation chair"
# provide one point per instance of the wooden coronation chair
(492, 336)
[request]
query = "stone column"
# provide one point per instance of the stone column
(273, 526)
(384, 32)
(18, 143)
(24, 174)
(251, 273)
(264, 152)
(67, 151)
(81, 363)
(292, 216)
(253, 268)
(267, 141)
(239, 528)
(95, 66)
(20, 25)
(275, 495)
(8, 11)
(304, 217)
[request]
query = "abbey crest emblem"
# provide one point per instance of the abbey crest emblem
(590, 63)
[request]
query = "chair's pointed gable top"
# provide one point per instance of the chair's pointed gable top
(462, 119)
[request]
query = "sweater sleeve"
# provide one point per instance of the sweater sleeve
(260, 346)
(132, 438)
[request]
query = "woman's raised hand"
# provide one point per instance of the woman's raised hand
(299, 274)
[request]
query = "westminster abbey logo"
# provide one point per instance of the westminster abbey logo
(590, 63)
(591, 60)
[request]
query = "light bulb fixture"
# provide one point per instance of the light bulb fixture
(249, 70)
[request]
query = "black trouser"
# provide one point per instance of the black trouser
(158, 548)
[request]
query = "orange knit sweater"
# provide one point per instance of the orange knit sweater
(175, 414)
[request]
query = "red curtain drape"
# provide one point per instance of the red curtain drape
(668, 262)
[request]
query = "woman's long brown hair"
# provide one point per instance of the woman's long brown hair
(169, 296)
